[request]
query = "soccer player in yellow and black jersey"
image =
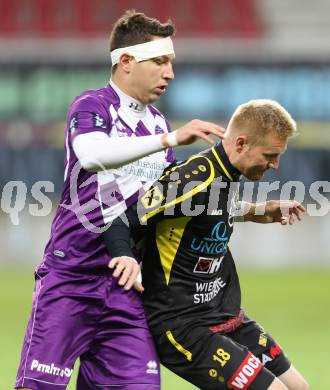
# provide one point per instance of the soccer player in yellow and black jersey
(192, 295)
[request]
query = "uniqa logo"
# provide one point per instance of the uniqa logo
(216, 244)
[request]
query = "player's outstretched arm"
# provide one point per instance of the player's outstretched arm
(281, 211)
(97, 151)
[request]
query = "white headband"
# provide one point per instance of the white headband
(145, 51)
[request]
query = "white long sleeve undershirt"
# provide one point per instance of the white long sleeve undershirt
(96, 151)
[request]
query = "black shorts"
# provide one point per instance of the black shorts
(246, 358)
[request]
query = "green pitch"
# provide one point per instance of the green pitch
(292, 305)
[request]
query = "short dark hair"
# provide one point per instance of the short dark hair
(135, 27)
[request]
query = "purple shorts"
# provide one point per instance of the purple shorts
(92, 318)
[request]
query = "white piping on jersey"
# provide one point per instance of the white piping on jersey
(67, 155)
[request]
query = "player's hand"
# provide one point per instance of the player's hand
(128, 269)
(283, 211)
(196, 128)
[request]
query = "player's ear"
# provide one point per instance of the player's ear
(126, 62)
(241, 143)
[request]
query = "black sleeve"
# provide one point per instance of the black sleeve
(123, 230)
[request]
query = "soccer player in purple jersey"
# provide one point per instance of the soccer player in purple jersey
(116, 145)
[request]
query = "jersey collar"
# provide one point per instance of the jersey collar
(131, 103)
(232, 173)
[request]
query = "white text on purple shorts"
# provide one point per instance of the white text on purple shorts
(51, 369)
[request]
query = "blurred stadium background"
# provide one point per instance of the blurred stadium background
(228, 51)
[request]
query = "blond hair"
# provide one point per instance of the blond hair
(260, 117)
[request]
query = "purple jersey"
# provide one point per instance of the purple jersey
(90, 201)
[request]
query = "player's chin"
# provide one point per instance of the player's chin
(153, 97)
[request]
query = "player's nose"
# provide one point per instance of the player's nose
(274, 164)
(168, 72)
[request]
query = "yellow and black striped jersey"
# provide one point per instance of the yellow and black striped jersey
(187, 219)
